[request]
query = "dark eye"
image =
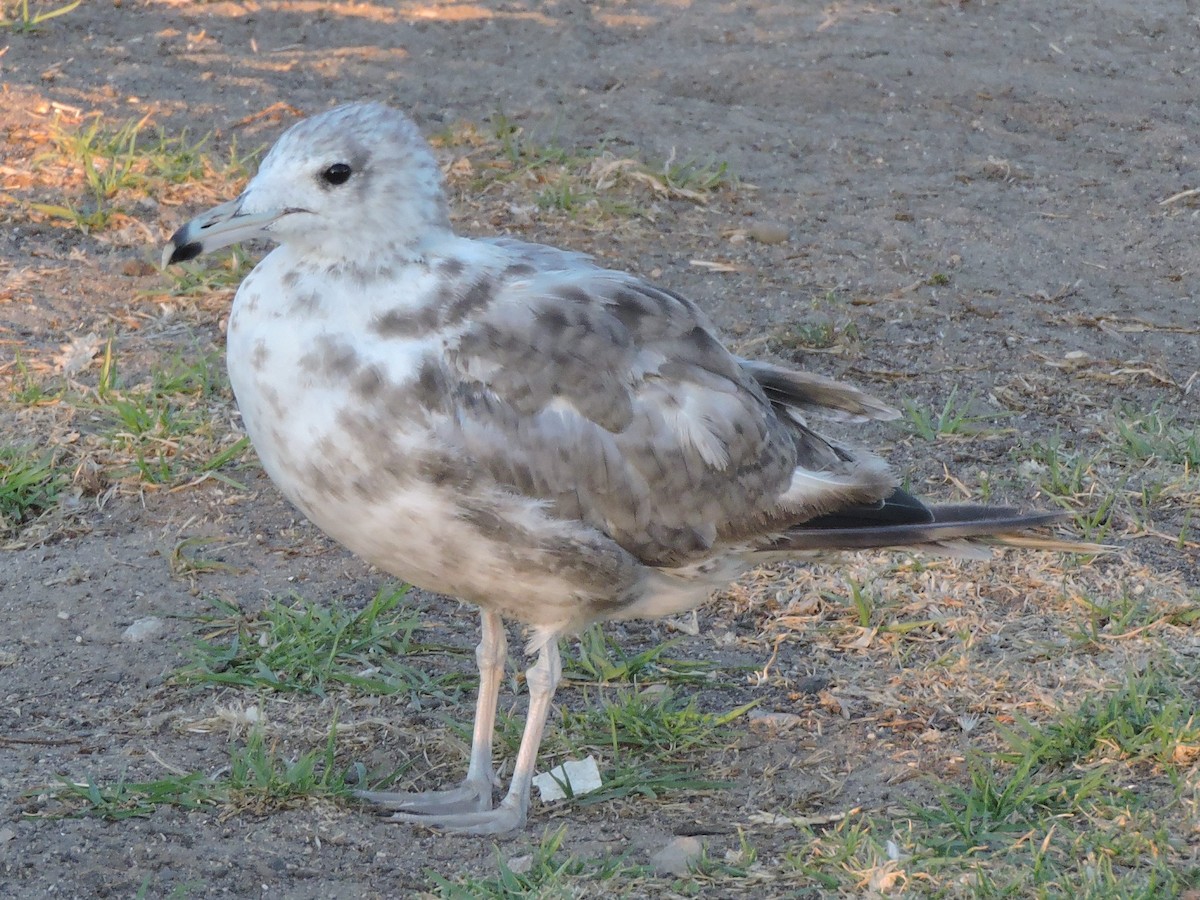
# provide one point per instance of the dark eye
(338, 173)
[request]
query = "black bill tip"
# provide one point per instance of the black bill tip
(184, 252)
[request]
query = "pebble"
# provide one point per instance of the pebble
(812, 684)
(519, 865)
(768, 232)
(675, 858)
(143, 629)
(135, 268)
(775, 720)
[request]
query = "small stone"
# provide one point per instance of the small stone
(812, 684)
(519, 865)
(768, 232)
(143, 629)
(136, 268)
(677, 856)
(775, 721)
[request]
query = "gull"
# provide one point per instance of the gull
(552, 441)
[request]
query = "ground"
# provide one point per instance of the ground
(983, 212)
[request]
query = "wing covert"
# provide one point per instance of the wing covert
(634, 418)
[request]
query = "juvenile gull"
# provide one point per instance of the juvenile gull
(508, 423)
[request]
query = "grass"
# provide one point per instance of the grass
(209, 277)
(1065, 807)
(549, 873)
(663, 727)
(955, 419)
(646, 739)
(163, 426)
(1124, 615)
(22, 17)
(593, 186)
(1155, 436)
(827, 325)
(186, 559)
(258, 778)
(1149, 464)
(28, 390)
(296, 645)
(1151, 718)
(600, 659)
(161, 431)
(131, 799)
(1000, 804)
(90, 174)
(108, 162)
(30, 484)
(645, 733)
(820, 334)
(1061, 472)
(649, 739)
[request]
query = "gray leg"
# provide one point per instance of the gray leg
(475, 793)
(543, 678)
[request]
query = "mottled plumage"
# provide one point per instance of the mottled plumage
(552, 441)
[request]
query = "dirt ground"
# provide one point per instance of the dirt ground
(985, 198)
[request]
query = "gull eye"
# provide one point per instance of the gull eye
(338, 173)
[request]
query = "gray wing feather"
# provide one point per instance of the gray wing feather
(805, 392)
(612, 401)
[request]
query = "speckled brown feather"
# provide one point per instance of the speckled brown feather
(615, 402)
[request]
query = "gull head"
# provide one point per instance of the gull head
(355, 185)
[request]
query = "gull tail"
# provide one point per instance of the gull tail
(902, 521)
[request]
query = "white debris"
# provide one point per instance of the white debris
(581, 775)
(76, 356)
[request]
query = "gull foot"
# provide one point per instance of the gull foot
(470, 797)
(508, 816)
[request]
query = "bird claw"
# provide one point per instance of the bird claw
(468, 798)
(504, 818)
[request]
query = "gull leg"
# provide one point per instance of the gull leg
(543, 678)
(490, 657)
(475, 793)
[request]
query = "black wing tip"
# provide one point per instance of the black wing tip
(956, 522)
(1002, 518)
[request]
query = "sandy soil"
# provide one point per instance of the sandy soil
(977, 196)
